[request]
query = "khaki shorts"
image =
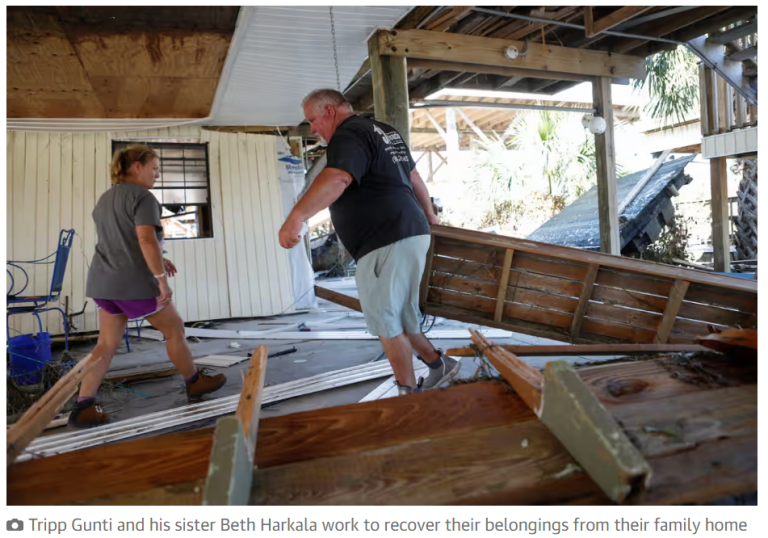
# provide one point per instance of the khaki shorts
(388, 281)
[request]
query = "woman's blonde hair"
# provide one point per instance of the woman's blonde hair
(123, 159)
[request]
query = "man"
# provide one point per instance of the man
(381, 211)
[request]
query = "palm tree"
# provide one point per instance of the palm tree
(672, 84)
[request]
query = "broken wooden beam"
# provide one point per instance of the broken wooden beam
(587, 350)
(230, 469)
(37, 417)
(574, 415)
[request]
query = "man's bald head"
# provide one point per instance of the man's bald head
(319, 99)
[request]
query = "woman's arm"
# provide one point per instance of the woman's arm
(150, 248)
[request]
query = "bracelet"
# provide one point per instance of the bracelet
(160, 276)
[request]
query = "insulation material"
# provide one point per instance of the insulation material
(290, 171)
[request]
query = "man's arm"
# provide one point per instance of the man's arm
(325, 189)
(422, 195)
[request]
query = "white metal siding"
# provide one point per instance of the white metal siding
(730, 144)
(55, 179)
(287, 51)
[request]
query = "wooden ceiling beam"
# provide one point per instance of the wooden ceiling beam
(489, 51)
(660, 28)
(705, 26)
(606, 23)
(444, 21)
(442, 65)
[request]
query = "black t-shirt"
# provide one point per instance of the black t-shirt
(379, 207)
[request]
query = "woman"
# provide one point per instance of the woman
(128, 279)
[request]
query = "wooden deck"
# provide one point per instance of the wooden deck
(478, 443)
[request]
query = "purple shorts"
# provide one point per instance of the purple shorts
(133, 308)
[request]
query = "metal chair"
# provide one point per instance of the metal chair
(36, 305)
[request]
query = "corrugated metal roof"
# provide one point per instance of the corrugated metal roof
(577, 225)
(286, 52)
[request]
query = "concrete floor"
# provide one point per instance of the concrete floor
(311, 358)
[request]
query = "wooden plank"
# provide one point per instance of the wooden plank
(516, 295)
(234, 442)
(502, 294)
(723, 105)
(442, 22)
(626, 316)
(629, 298)
(618, 350)
(338, 298)
(489, 51)
(640, 185)
(633, 282)
(590, 434)
(440, 65)
(615, 330)
(390, 86)
(670, 312)
(704, 97)
(250, 398)
(586, 292)
(36, 418)
(544, 250)
(724, 37)
(179, 457)
(425, 277)
(230, 472)
(517, 279)
(605, 155)
(713, 314)
(609, 21)
(464, 250)
(744, 54)
(711, 295)
(720, 223)
(511, 310)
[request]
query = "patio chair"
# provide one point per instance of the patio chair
(16, 303)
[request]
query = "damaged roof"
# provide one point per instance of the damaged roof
(641, 222)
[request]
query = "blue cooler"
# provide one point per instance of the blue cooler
(29, 354)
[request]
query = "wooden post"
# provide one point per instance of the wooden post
(431, 172)
(722, 105)
(703, 99)
(606, 169)
(502, 295)
(721, 241)
(390, 89)
(586, 292)
(230, 471)
(674, 302)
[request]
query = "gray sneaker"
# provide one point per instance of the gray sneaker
(438, 376)
(403, 390)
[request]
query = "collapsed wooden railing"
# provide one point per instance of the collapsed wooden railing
(577, 296)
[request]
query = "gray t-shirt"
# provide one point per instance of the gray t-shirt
(118, 270)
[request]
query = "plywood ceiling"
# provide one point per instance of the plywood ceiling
(115, 62)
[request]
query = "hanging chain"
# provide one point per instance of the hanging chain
(335, 56)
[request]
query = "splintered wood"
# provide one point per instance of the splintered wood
(576, 417)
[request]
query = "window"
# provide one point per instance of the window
(183, 188)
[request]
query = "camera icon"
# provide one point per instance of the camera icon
(14, 525)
